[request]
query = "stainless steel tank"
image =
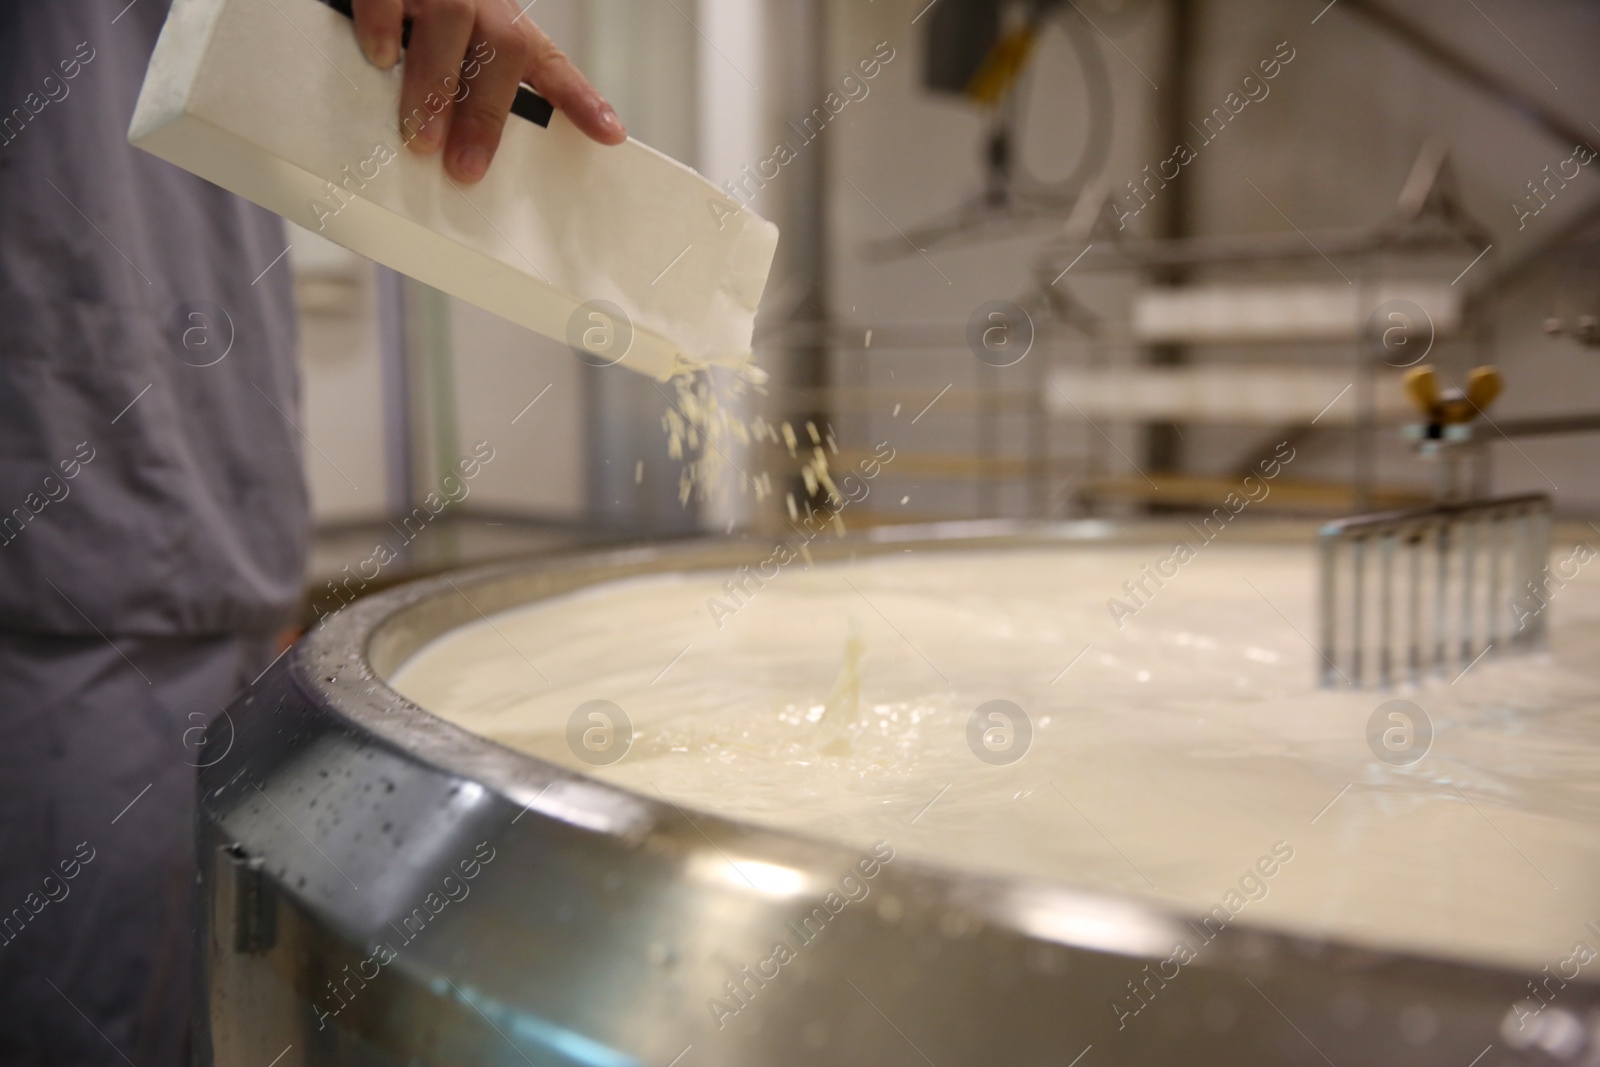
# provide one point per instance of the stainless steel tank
(381, 887)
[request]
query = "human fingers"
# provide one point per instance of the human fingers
(493, 70)
(560, 82)
(379, 24)
(440, 33)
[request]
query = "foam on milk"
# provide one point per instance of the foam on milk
(1172, 754)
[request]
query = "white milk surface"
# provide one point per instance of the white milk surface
(1166, 760)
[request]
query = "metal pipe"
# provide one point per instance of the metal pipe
(1520, 552)
(1546, 425)
(1469, 566)
(1386, 584)
(1224, 249)
(1468, 69)
(1537, 565)
(1328, 547)
(1442, 582)
(1414, 654)
(1164, 449)
(1358, 551)
(1497, 529)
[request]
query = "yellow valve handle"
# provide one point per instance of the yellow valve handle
(1001, 67)
(1422, 386)
(1484, 386)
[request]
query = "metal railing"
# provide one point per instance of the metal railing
(1469, 562)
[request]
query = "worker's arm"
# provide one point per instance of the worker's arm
(463, 64)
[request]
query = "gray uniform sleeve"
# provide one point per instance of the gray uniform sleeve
(150, 468)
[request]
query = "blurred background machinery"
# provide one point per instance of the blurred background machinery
(995, 259)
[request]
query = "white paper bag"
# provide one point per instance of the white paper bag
(275, 102)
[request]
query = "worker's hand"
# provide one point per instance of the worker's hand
(462, 67)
